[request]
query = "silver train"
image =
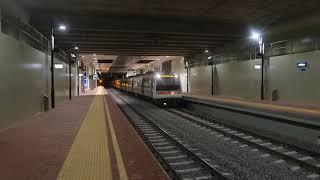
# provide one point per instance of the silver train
(163, 88)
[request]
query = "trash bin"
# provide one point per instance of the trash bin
(45, 101)
(275, 95)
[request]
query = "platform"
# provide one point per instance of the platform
(290, 111)
(87, 138)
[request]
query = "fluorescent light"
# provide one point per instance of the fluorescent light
(257, 66)
(58, 66)
(62, 27)
(76, 48)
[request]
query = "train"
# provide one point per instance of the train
(162, 88)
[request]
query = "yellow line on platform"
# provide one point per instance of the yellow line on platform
(89, 157)
(121, 168)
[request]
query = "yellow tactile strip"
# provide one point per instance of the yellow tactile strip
(89, 157)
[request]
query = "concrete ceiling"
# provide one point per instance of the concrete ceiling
(134, 28)
(101, 62)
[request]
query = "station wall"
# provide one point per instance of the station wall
(240, 79)
(25, 78)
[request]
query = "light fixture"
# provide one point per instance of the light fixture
(206, 51)
(80, 75)
(73, 55)
(167, 56)
(158, 76)
(95, 58)
(82, 56)
(58, 66)
(255, 35)
(210, 57)
(302, 64)
(62, 27)
(176, 75)
(257, 66)
(76, 48)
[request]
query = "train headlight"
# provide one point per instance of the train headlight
(158, 76)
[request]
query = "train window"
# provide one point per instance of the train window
(168, 84)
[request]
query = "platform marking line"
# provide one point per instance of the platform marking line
(121, 167)
(89, 156)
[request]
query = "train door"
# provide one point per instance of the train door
(143, 85)
(132, 84)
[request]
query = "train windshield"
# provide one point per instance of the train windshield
(168, 84)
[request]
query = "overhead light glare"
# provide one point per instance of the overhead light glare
(158, 76)
(255, 35)
(62, 27)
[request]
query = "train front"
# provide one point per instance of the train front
(167, 89)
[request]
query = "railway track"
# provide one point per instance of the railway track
(179, 160)
(236, 153)
(302, 159)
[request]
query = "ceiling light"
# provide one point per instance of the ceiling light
(76, 48)
(255, 35)
(206, 51)
(167, 56)
(62, 27)
(73, 55)
(94, 54)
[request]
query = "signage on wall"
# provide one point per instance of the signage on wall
(302, 66)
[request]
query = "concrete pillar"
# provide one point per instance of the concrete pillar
(91, 72)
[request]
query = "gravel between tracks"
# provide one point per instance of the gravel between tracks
(242, 162)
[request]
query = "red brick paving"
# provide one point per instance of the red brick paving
(139, 161)
(37, 147)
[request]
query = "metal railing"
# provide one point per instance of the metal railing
(27, 34)
(250, 52)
